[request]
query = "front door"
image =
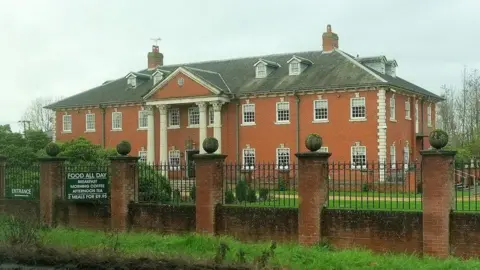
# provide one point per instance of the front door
(190, 162)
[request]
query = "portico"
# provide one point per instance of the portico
(165, 121)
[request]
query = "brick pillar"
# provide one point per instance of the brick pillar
(51, 179)
(312, 194)
(209, 183)
(438, 200)
(3, 163)
(122, 190)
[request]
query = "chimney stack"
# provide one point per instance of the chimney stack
(330, 40)
(155, 58)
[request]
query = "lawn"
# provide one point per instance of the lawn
(204, 248)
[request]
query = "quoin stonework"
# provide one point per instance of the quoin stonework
(259, 108)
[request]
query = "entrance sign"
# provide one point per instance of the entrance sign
(87, 186)
(21, 192)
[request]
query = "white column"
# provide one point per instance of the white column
(163, 134)
(150, 137)
(217, 124)
(202, 109)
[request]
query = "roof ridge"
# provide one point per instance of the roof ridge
(199, 69)
(240, 58)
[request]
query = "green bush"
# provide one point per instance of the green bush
(193, 191)
(152, 186)
(176, 196)
(282, 184)
(241, 191)
(365, 187)
(251, 195)
(263, 194)
(229, 197)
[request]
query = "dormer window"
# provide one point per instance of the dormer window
(157, 77)
(294, 68)
(132, 81)
(261, 70)
(264, 67)
(297, 65)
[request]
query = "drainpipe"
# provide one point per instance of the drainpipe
(103, 126)
(237, 130)
(297, 131)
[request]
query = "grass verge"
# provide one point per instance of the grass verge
(82, 249)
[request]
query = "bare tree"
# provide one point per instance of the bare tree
(39, 117)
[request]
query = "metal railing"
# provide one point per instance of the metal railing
(467, 189)
(264, 184)
(375, 185)
(165, 183)
(22, 183)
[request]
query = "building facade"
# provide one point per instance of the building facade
(259, 108)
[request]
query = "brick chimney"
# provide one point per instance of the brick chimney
(155, 58)
(330, 40)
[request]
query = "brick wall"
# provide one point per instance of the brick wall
(258, 223)
(162, 218)
(379, 231)
(465, 234)
(376, 230)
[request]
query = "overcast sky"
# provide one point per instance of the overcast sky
(59, 48)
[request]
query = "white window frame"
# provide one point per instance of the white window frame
(352, 117)
(91, 121)
(142, 155)
(278, 153)
(319, 101)
(119, 115)
(392, 108)
(284, 121)
(408, 111)
(353, 150)
(429, 115)
(191, 110)
(170, 112)
(211, 116)
(406, 156)
(174, 158)
(248, 108)
(393, 156)
(261, 70)
(292, 70)
(157, 78)
(323, 149)
(67, 123)
(132, 81)
(143, 116)
(246, 152)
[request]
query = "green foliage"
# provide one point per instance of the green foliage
(282, 184)
(365, 187)
(229, 197)
(176, 196)
(152, 186)
(193, 191)
(36, 139)
(241, 191)
(251, 195)
(82, 152)
(263, 194)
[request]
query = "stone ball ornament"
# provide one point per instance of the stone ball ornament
(438, 138)
(210, 145)
(124, 148)
(52, 149)
(313, 142)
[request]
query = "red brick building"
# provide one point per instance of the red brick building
(259, 108)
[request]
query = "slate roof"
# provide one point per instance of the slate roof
(237, 76)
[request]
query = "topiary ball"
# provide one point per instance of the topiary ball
(124, 148)
(52, 149)
(313, 142)
(438, 138)
(210, 145)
